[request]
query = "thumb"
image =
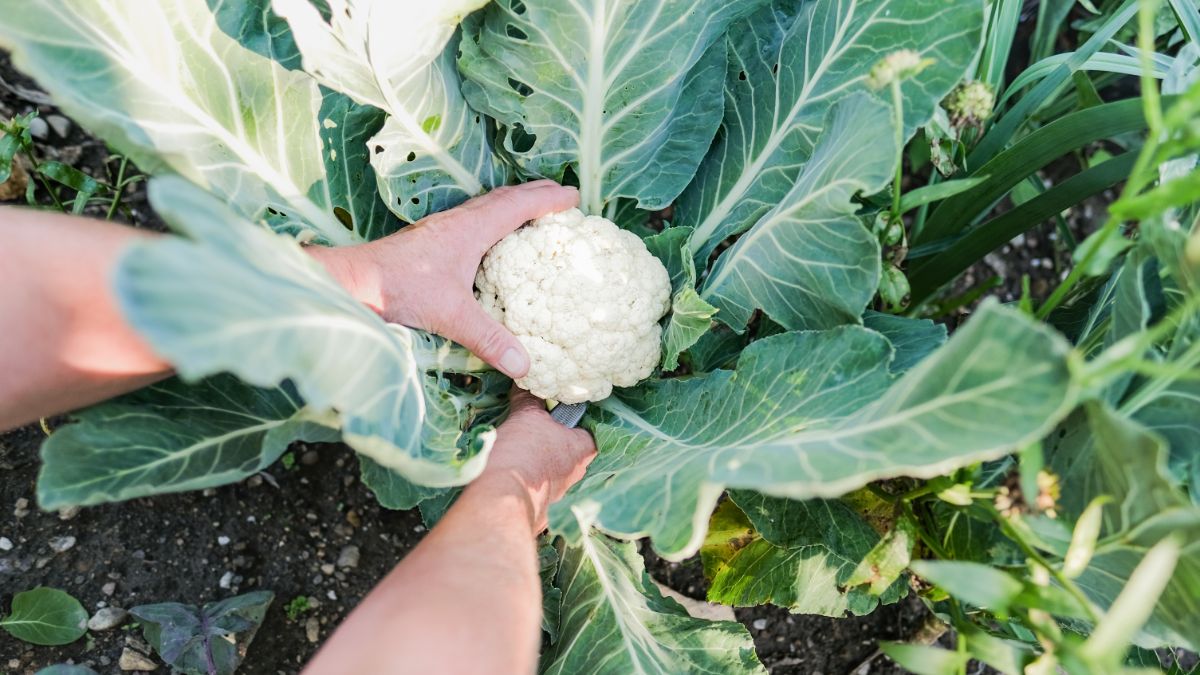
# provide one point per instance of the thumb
(488, 339)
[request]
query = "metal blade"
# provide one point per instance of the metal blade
(568, 414)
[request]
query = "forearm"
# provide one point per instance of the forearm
(64, 342)
(466, 600)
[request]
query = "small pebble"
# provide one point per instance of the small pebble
(348, 557)
(21, 508)
(331, 595)
(132, 660)
(222, 540)
(68, 513)
(226, 580)
(107, 619)
(759, 624)
(309, 458)
(353, 518)
(208, 492)
(312, 629)
(62, 544)
(60, 124)
(14, 663)
(255, 480)
(109, 588)
(6, 544)
(327, 569)
(39, 129)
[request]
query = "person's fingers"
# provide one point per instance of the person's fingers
(520, 400)
(488, 339)
(495, 215)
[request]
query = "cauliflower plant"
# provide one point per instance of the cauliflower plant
(584, 297)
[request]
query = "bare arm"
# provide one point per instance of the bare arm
(64, 343)
(468, 598)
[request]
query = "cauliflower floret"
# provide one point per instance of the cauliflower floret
(584, 297)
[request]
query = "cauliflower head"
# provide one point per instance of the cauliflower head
(584, 297)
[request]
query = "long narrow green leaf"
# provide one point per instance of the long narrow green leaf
(937, 192)
(1188, 16)
(1122, 64)
(932, 273)
(1027, 156)
(1003, 131)
(1002, 28)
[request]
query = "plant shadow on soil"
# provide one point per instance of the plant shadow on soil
(200, 547)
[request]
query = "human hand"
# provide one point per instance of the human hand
(535, 457)
(424, 275)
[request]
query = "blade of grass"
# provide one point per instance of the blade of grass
(1007, 126)
(936, 192)
(1188, 16)
(933, 273)
(1031, 153)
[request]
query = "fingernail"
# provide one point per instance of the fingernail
(514, 363)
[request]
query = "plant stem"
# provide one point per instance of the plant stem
(1032, 553)
(118, 189)
(898, 123)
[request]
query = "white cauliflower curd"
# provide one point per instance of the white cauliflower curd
(584, 297)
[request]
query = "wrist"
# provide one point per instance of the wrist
(355, 269)
(507, 487)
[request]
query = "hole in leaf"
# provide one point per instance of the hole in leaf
(515, 33)
(378, 149)
(517, 6)
(416, 200)
(344, 217)
(412, 156)
(477, 119)
(742, 76)
(519, 87)
(522, 141)
(775, 69)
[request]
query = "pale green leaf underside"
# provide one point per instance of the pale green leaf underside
(161, 83)
(172, 437)
(816, 414)
(296, 324)
(809, 262)
(612, 620)
(433, 151)
(791, 62)
(691, 317)
(620, 92)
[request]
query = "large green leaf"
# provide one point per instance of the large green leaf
(296, 324)
(789, 64)
(815, 414)
(172, 437)
(913, 339)
(1103, 453)
(795, 554)
(613, 620)
(433, 152)
(809, 262)
(161, 83)
(621, 93)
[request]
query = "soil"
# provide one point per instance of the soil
(276, 530)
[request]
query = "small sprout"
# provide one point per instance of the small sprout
(288, 460)
(896, 67)
(299, 605)
(970, 104)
